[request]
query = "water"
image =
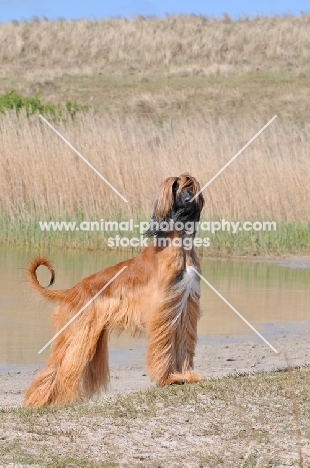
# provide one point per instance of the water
(273, 297)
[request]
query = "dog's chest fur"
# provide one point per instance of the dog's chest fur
(187, 286)
(190, 281)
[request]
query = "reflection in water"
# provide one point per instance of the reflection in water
(262, 292)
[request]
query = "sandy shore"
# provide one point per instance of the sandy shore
(214, 358)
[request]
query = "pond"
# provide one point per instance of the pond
(273, 296)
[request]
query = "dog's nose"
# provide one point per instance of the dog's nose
(187, 198)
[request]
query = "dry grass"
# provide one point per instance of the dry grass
(176, 44)
(251, 421)
(164, 67)
(41, 177)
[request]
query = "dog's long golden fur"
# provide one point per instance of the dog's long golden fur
(158, 294)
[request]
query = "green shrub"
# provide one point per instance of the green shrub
(13, 101)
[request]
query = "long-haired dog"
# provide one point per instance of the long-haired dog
(158, 293)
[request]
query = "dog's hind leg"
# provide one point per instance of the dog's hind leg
(40, 393)
(61, 380)
(96, 375)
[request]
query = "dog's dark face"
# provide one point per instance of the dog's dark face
(184, 208)
(174, 203)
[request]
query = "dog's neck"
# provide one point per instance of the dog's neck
(178, 246)
(167, 227)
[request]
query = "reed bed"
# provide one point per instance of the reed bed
(41, 178)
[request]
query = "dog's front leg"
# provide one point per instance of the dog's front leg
(160, 358)
(171, 345)
(189, 327)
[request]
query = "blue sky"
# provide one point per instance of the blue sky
(71, 9)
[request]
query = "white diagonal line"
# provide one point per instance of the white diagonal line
(83, 308)
(236, 312)
(233, 158)
(84, 159)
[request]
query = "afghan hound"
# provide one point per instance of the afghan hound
(158, 294)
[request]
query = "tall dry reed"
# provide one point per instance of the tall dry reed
(41, 177)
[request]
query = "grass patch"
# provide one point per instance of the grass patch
(233, 421)
(288, 238)
(47, 461)
(159, 97)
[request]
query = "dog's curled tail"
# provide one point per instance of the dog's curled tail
(32, 276)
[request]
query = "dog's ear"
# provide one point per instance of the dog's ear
(165, 198)
(200, 200)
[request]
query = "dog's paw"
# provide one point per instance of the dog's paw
(179, 379)
(193, 377)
